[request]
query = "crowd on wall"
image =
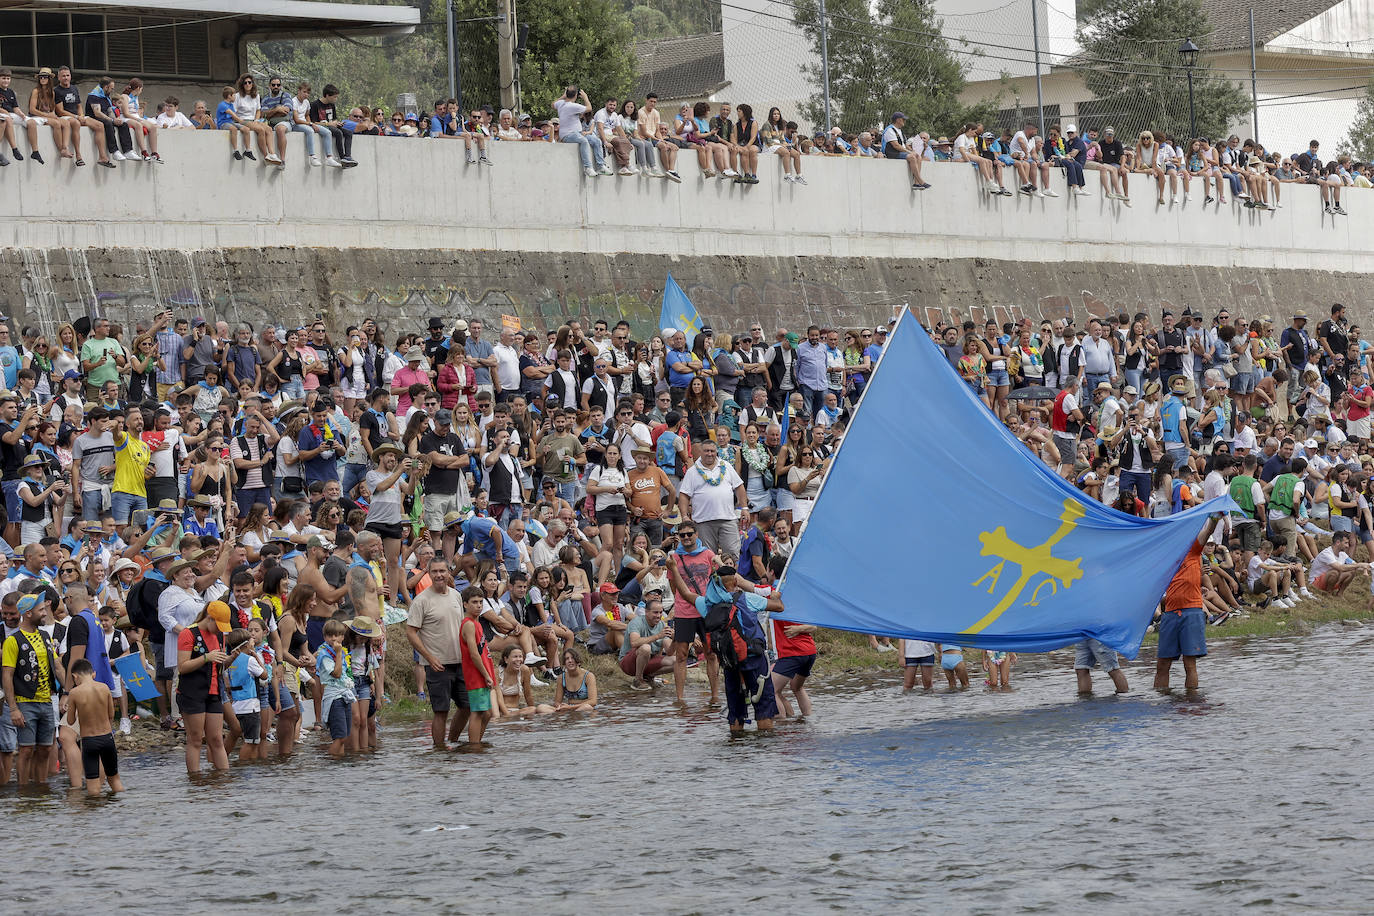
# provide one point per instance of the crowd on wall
(627, 137)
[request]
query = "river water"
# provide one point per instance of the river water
(1255, 793)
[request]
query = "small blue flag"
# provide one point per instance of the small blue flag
(679, 312)
(130, 670)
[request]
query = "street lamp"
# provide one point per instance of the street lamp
(1187, 53)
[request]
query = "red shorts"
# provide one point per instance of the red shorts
(655, 664)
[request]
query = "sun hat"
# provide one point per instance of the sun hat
(384, 448)
(415, 355)
(366, 627)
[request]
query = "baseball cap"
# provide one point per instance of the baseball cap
(1071, 129)
(218, 611)
(70, 374)
(443, 416)
(317, 541)
(608, 588)
(898, 114)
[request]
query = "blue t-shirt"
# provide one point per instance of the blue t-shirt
(223, 113)
(679, 379)
(480, 349)
(9, 364)
(324, 466)
(478, 538)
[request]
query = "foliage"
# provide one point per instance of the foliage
(885, 57)
(1129, 62)
(1359, 142)
(671, 18)
(589, 43)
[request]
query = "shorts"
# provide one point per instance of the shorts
(1319, 583)
(479, 699)
(251, 724)
(752, 676)
(198, 705)
(340, 719)
(9, 735)
(99, 752)
(1005, 159)
(602, 646)
(446, 685)
(314, 632)
(951, 660)
(386, 532)
(687, 629)
(655, 664)
(274, 120)
(1091, 652)
(611, 515)
(1357, 429)
(162, 672)
(12, 502)
(795, 665)
(1243, 382)
(925, 661)
(1342, 523)
(436, 506)
(1182, 633)
(40, 724)
(284, 699)
(1249, 535)
(998, 377)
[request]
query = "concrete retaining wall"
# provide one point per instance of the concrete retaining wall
(413, 231)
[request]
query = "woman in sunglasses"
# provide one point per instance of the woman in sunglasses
(43, 108)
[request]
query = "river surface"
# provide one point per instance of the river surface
(1256, 793)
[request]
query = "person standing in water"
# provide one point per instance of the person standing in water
(1182, 629)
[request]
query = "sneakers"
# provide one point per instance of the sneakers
(673, 176)
(535, 682)
(886, 647)
(589, 172)
(1305, 593)
(532, 659)
(238, 157)
(1160, 202)
(639, 685)
(1084, 192)
(1027, 189)
(625, 170)
(117, 156)
(315, 161)
(330, 160)
(655, 172)
(272, 158)
(787, 176)
(349, 162)
(1050, 192)
(248, 154)
(799, 179)
(1339, 210)
(36, 156)
(1109, 195)
(125, 726)
(730, 173)
(606, 169)
(1002, 192)
(18, 156)
(707, 173)
(157, 158)
(1125, 200)
(1205, 200)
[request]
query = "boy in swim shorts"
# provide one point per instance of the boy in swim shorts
(91, 704)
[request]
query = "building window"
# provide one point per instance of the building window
(94, 44)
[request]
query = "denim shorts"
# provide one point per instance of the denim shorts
(123, 505)
(1091, 652)
(998, 377)
(9, 736)
(340, 718)
(1243, 382)
(1182, 633)
(40, 723)
(11, 489)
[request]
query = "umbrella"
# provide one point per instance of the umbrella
(1033, 393)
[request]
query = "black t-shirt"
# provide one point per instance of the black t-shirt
(11, 456)
(1334, 334)
(436, 351)
(373, 429)
(321, 110)
(98, 103)
(441, 480)
(1111, 151)
(78, 634)
(69, 99)
(335, 572)
(8, 100)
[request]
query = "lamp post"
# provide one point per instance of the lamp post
(1187, 53)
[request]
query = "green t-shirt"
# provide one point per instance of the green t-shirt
(560, 451)
(639, 626)
(108, 371)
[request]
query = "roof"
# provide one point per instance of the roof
(1230, 21)
(681, 68)
(274, 15)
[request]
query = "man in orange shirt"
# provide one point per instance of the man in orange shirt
(1182, 630)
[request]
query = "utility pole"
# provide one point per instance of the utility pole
(1254, 91)
(505, 52)
(452, 51)
(1039, 93)
(825, 66)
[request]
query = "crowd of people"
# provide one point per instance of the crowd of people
(1154, 417)
(628, 137)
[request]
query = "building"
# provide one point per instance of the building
(184, 46)
(687, 69)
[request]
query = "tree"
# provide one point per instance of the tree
(589, 43)
(1359, 142)
(884, 58)
(670, 18)
(1129, 62)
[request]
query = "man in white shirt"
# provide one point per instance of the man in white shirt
(710, 495)
(171, 117)
(1243, 442)
(1333, 569)
(1099, 361)
(1022, 150)
(629, 434)
(507, 373)
(570, 109)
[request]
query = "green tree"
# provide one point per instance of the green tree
(670, 18)
(1129, 62)
(886, 57)
(1359, 142)
(589, 43)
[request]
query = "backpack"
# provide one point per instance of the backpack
(734, 634)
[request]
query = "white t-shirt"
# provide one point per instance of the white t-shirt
(1325, 560)
(507, 367)
(1244, 439)
(606, 122)
(569, 117)
(917, 648)
(301, 109)
(164, 460)
(711, 503)
(247, 106)
(1020, 146)
(964, 142)
(175, 120)
(608, 477)
(626, 441)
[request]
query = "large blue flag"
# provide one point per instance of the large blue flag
(136, 679)
(936, 523)
(679, 312)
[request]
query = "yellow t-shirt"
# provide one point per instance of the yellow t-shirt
(9, 658)
(131, 457)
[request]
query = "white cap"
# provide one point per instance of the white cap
(1071, 129)
(667, 332)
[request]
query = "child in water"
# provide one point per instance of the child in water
(918, 657)
(91, 705)
(998, 668)
(952, 661)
